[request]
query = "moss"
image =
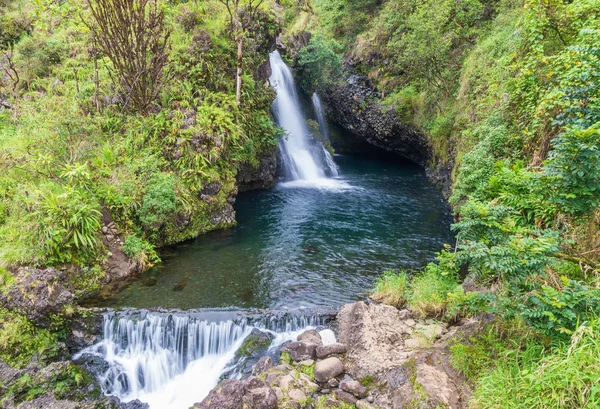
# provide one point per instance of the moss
(252, 344)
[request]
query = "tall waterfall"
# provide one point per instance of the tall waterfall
(173, 360)
(303, 157)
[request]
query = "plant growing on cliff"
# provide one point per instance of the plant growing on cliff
(133, 35)
(318, 64)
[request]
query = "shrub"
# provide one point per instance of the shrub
(159, 203)
(391, 288)
(140, 250)
(318, 64)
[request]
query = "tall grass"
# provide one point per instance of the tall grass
(391, 288)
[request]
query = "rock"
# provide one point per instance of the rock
(278, 393)
(331, 403)
(263, 365)
(412, 343)
(326, 351)
(297, 395)
(405, 314)
(38, 293)
(333, 383)
(104, 230)
(262, 176)
(345, 396)
(440, 388)
(307, 362)
(228, 394)
(286, 382)
(363, 404)
(328, 368)
(300, 350)
(260, 398)
(255, 344)
(210, 190)
(311, 336)
(410, 322)
(254, 382)
(48, 402)
(372, 333)
(355, 388)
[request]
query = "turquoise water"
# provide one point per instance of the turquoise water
(301, 245)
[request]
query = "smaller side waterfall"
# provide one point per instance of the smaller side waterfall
(172, 361)
(332, 167)
(320, 115)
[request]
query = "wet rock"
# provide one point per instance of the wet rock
(48, 402)
(310, 336)
(263, 365)
(258, 177)
(355, 388)
(328, 368)
(326, 351)
(345, 396)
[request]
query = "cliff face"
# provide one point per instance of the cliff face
(354, 106)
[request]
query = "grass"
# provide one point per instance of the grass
(391, 288)
(567, 377)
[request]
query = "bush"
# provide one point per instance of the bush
(318, 64)
(159, 203)
(140, 250)
(391, 288)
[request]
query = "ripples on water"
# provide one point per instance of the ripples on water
(317, 244)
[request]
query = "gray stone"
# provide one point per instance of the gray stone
(355, 388)
(345, 396)
(310, 336)
(260, 398)
(228, 394)
(363, 404)
(263, 365)
(326, 351)
(328, 368)
(297, 395)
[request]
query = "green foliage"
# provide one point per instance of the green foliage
(567, 377)
(20, 339)
(140, 250)
(159, 202)
(318, 64)
(391, 288)
(429, 293)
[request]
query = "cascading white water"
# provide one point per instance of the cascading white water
(303, 158)
(320, 115)
(331, 165)
(172, 361)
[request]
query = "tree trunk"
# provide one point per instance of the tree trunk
(238, 85)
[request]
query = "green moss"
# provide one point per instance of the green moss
(253, 344)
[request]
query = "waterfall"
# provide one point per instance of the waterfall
(320, 115)
(173, 360)
(303, 158)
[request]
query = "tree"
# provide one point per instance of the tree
(241, 15)
(132, 34)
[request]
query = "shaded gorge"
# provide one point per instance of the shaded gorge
(304, 244)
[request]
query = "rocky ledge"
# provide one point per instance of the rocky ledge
(384, 359)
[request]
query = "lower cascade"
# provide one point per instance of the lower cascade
(173, 360)
(303, 157)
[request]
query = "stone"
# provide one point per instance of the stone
(286, 382)
(326, 351)
(412, 343)
(278, 393)
(254, 382)
(300, 350)
(307, 362)
(297, 395)
(333, 383)
(325, 391)
(410, 322)
(355, 388)
(363, 404)
(311, 336)
(228, 394)
(263, 365)
(328, 368)
(405, 314)
(261, 398)
(104, 229)
(345, 396)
